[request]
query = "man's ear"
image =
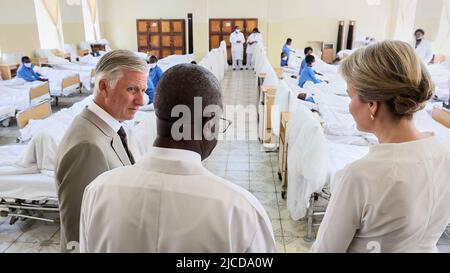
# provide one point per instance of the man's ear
(103, 86)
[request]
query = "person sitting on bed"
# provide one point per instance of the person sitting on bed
(155, 72)
(308, 73)
(27, 73)
(308, 51)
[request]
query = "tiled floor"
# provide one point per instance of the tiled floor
(243, 162)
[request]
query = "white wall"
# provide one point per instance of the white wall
(72, 21)
(302, 20)
(18, 27)
(428, 17)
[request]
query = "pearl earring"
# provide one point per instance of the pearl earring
(372, 117)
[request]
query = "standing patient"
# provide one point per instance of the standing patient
(96, 141)
(169, 202)
(396, 198)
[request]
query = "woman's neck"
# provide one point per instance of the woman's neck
(398, 132)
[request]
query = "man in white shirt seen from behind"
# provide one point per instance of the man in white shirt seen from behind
(169, 202)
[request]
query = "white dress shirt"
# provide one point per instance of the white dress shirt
(170, 203)
(395, 199)
(105, 116)
(423, 51)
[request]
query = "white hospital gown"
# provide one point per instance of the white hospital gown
(395, 199)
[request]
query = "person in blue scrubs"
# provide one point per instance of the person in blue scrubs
(284, 59)
(287, 48)
(150, 90)
(155, 72)
(308, 51)
(27, 73)
(308, 73)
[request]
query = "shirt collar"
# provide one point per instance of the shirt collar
(173, 161)
(105, 116)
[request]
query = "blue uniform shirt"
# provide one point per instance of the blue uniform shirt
(286, 51)
(302, 66)
(284, 63)
(155, 74)
(150, 90)
(28, 74)
(308, 74)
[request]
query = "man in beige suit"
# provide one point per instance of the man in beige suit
(96, 141)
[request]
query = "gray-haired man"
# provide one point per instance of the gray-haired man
(96, 141)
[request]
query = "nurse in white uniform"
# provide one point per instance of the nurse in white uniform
(253, 39)
(237, 41)
(168, 202)
(422, 46)
(396, 198)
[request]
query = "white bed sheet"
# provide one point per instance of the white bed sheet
(37, 186)
(313, 160)
(18, 98)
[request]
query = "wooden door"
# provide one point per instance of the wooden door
(161, 37)
(220, 29)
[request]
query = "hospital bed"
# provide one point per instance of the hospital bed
(6, 113)
(31, 103)
(313, 163)
(25, 192)
(58, 63)
(216, 61)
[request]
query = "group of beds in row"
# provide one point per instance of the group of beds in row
(321, 137)
(27, 186)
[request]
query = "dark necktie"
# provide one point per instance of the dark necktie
(123, 138)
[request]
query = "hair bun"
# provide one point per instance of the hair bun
(413, 100)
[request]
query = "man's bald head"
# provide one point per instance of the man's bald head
(193, 95)
(181, 84)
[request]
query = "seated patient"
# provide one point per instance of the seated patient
(169, 202)
(27, 73)
(308, 73)
(396, 198)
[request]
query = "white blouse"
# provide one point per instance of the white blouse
(395, 199)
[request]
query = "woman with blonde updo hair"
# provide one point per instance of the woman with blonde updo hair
(397, 197)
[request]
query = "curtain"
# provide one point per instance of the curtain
(92, 4)
(405, 19)
(91, 20)
(442, 43)
(53, 11)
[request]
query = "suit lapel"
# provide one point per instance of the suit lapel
(116, 143)
(117, 146)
